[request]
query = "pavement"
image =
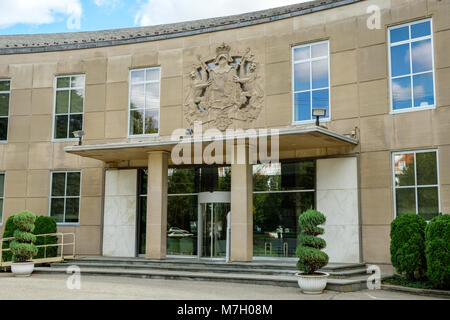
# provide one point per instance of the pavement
(54, 286)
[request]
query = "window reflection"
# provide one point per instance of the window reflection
(401, 93)
(423, 90)
(399, 34)
(69, 100)
(282, 192)
(416, 183)
(182, 230)
(144, 101)
(411, 60)
(184, 184)
(311, 80)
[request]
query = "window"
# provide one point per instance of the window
(69, 101)
(5, 92)
(411, 66)
(311, 80)
(65, 196)
(184, 185)
(416, 183)
(2, 195)
(281, 192)
(144, 101)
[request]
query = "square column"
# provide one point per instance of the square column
(155, 243)
(242, 209)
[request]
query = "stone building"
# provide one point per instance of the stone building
(379, 68)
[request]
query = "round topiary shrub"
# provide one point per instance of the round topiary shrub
(22, 246)
(45, 225)
(408, 245)
(437, 251)
(311, 258)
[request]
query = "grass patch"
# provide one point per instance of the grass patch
(400, 281)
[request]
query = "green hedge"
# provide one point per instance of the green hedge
(43, 225)
(408, 245)
(8, 232)
(437, 250)
(46, 225)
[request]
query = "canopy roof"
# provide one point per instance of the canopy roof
(294, 138)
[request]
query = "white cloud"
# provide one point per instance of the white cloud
(107, 3)
(421, 55)
(40, 12)
(153, 12)
(101, 3)
(401, 94)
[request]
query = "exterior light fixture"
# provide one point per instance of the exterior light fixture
(318, 113)
(78, 134)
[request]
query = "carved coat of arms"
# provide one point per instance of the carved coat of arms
(224, 90)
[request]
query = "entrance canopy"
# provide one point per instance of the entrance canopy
(293, 138)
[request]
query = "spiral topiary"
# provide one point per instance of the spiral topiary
(311, 258)
(22, 246)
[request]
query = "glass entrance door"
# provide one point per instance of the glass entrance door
(214, 208)
(214, 233)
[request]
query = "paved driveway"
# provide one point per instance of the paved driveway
(43, 286)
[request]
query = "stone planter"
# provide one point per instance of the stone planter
(312, 283)
(22, 269)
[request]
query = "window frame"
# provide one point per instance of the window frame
(415, 186)
(2, 197)
(55, 89)
(9, 109)
(65, 197)
(310, 60)
(130, 84)
(411, 74)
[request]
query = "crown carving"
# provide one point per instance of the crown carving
(223, 49)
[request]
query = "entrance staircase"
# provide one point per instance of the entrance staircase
(343, 277)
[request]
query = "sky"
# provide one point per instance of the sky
(51, 16)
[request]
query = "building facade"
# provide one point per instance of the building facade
(380, 69)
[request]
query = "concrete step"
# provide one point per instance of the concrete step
(221, 268)
(257, 264)
(169, 267)
(342, 285)
(187, 262)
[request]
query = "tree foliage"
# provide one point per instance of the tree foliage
(437, 250)
(408, 245)
(45, 225)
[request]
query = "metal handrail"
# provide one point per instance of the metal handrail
(267, 247)
(285, 249)
(61, 245)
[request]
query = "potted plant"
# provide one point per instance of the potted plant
(311, 258)
(22, 246)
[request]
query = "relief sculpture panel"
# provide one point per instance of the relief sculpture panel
(224, 91)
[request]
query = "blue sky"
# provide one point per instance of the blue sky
(48, 16)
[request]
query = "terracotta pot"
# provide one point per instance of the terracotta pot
(312, 283)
